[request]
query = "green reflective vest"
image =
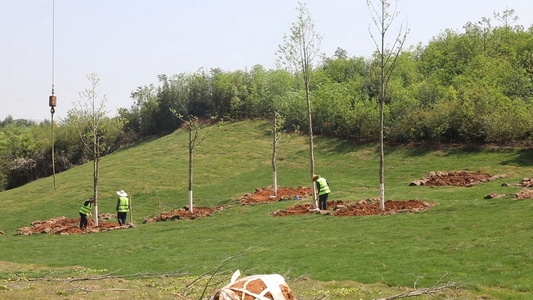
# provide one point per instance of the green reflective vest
(86, 209)
(324, 187)
(123, 205)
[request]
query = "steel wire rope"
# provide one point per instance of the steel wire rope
(52, 99)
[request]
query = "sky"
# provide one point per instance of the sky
(128, 43)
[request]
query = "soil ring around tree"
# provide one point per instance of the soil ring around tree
(368, 207)
(337, 208)
(184, 214)
(63, 225)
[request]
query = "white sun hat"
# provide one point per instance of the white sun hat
(121, 193)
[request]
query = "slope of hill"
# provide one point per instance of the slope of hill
(482, 243)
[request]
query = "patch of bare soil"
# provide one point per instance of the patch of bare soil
(460, 178)
(184, 214)
(262, 195)
(366, 207)
(64, 225)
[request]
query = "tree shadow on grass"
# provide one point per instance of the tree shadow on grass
(523, 158)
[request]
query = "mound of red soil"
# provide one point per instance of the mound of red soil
(184, 213)
(461, 178)
(359, 208)
(263, 195)
(63, 225)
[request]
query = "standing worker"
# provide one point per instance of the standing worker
(123, 206)
(322, 186)
(84, 211)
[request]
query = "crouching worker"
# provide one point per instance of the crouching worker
(84, 211)
(123, 206)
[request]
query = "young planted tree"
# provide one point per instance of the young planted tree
(96, 130)
(196, 137)
(298, 51)
(277, 84)
(180, 93)
(276, 137)
(383, 20)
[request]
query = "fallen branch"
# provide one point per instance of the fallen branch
(93, 290)
(214, 272)
(145, 275)
(424, 291)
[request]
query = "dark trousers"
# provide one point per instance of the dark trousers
(83, 221)
(121, 216)
(323, 202)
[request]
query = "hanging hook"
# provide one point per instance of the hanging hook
(52, 101)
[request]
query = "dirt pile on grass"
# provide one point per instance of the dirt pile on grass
(184, 214)
(460, 178)
(262, 195)
(525, 193)
(64, 225)
(526, 182)
(368, 207)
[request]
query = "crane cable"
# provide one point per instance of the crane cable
(52, 98)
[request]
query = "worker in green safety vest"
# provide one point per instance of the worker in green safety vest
(322, 186)
(84, 211)
(123, 206)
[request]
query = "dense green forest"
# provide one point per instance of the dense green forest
(468, 87)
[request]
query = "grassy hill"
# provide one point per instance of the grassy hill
(484, 244)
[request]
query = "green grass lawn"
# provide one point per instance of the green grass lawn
(483, 244)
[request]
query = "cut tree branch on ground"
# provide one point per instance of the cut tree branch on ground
(145, 275)
(77, 289)
(213, 273)
(424, 291)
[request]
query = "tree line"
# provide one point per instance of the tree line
(473, 86)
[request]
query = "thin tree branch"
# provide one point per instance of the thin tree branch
(145, 275)
(424, 291)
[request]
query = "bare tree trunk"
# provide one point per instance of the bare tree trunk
(311, 146)
(381, 116)
(274, 155)
(381, 159)
(96, 161)
(191, 149)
